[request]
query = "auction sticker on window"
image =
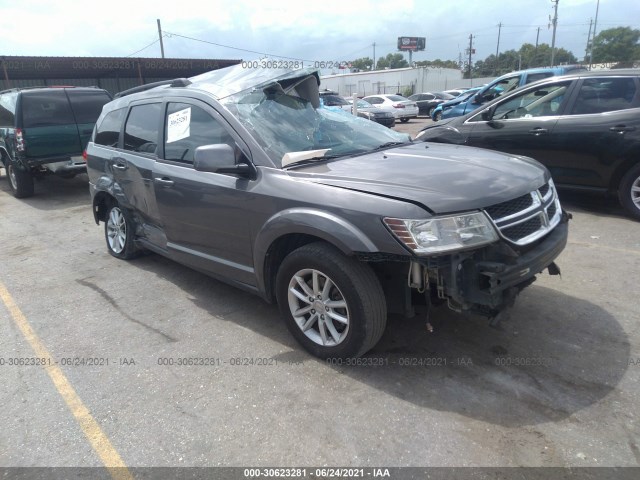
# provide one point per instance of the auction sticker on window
(178, 125)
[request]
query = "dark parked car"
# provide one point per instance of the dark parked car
(584, 127)
(427, 102)
(238, 173)
(507, 83)
(45, 130)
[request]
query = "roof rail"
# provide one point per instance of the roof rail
(176, 82)
(19, 89)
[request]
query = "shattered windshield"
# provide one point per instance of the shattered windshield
(287, 124)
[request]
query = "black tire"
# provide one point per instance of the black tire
(629, 192)
(431, 112)
(438, 117)
(20, 181)
(404, 120)
(353, 284)
(119, 233)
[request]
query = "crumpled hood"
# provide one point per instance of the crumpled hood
(442, 178)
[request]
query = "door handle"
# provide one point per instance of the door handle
(165, 182)
(120, 166)
(621, 129)
(538, 131)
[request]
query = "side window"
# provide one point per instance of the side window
(428, 97)
(534, 77)
(543, 101)
(108, 131)
(598, 95)
(141, 130)
(87, 105)
(189, 127)
(375, 100)
(46, 108)
(8, 109)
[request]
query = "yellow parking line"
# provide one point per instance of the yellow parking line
(97, 438)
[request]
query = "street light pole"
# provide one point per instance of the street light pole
(593, 39)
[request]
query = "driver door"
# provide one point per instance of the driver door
(523, 124)
(203, 214)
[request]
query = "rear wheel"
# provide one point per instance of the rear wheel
(20, 181)
(431, 112)
(437, 117)
(119, 231)
(629, 191)
(404, 120)
(332, 304)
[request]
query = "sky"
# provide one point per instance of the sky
(322, 31)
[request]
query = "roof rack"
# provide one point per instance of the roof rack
(177, 82)
(19, 89)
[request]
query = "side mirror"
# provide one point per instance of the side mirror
(487, 114)
(220, 158)
(478, 98)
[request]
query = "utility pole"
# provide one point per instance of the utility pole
(497, 48)
(374, 55)
(160, 36)
(593, 40)
(553, 38)
(470, 51)
(587, 51)
(535, 52)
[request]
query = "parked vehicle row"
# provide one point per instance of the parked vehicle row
(240, 174)
(364, 109)
(44, 130)
(427, 102)
(584, 127)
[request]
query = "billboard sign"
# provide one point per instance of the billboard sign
(411, 43)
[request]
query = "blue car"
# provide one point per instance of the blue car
(507, 83)
(441, 110)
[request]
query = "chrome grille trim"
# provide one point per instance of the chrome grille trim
(544, 208)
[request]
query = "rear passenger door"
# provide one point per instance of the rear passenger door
(600, 131)
(203, 214)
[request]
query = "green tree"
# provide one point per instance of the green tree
(620, 44)
(392, 60)
(362, 63)
(437, 63)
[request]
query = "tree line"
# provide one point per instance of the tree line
(619, 46)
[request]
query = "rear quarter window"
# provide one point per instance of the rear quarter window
(43, 109)
(87, 105)
(108, 131)
(142, 128)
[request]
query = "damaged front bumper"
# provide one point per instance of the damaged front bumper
(487, 280)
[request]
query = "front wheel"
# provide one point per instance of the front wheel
(629, 191)
(332, 304)
(119, 231)
(20, 181)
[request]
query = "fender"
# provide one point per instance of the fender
(310, 221)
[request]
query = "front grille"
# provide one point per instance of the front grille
(528, 217)
(510, 207)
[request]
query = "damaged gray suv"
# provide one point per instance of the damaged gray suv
(241, 174)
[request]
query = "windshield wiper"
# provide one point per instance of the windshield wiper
(390, 144)
(307, 161)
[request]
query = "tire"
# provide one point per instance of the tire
(353, 306)
(20, 181)
(404, 120)
(629, 192)
(119, 232)
(430, 112)
(438, 117)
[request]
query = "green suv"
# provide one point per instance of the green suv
(44, 130)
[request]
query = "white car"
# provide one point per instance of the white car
(401, 107)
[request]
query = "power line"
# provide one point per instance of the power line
(143, 48)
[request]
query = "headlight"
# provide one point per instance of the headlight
(443, 234)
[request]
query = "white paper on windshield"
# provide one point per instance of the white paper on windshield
(292, 157)
(178, 125)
